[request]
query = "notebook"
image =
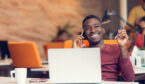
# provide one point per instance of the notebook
(76, 65)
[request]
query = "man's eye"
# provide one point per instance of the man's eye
(96, 26)
(87, 28)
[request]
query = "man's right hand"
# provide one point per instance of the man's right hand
(78, 39)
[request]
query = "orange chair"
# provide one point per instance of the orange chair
(52, 45)
(110, 42)
(24, 54)
(69, 43)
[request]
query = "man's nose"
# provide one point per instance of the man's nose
(92, 29)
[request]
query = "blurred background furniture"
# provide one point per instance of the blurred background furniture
(4, 51)
(26, 55)
(5, 61)
(69, 43)
(52, 45)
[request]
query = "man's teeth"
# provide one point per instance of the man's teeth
(96, 35)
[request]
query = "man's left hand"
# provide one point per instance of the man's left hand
(122, 37)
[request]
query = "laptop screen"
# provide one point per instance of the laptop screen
(76, 65)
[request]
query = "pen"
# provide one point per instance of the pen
(120, 28)
(81, 42)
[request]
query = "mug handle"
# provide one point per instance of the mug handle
(12, 72)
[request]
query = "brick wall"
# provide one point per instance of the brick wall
(37, 20)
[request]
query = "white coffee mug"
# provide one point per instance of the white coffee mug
(20, 75)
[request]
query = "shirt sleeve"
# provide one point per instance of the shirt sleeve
(126, 69)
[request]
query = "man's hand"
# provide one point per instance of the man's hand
(122, 37)
(77, 40)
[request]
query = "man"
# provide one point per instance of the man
(114, 58)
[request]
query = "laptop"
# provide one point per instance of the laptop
(76, 65)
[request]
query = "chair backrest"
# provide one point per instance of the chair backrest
(24, 54)
(52, 45)
(69, 43)
(110, 42)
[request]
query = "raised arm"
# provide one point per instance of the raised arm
(125, 65)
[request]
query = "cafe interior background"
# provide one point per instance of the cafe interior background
(39, 20)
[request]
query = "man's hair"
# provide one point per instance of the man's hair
(90, 17)
(142, 19)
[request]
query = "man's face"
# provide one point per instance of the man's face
(93, 30)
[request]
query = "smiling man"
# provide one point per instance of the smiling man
(114, 57)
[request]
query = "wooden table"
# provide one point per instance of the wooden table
(8, 80)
